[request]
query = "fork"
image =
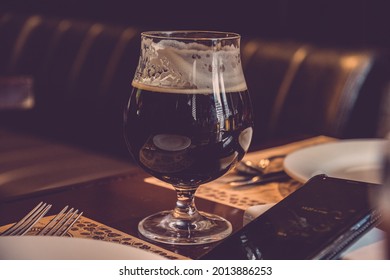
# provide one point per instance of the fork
(250, 168)
(277, 176)
(58, 226)
(27, 222)
(61, 223)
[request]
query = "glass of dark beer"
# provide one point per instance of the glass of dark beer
(188, 121)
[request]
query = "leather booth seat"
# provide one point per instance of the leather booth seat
(82, 71)
(304, 89)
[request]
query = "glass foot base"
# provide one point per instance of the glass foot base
(203, 228)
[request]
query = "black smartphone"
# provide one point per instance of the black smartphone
(318, 221)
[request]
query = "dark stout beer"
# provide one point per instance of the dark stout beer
(185, 138)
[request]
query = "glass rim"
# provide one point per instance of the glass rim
(202, 35)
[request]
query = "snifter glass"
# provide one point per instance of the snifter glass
(188, 121)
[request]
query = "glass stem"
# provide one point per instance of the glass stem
(185, 205)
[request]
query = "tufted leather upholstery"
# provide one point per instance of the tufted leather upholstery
(304, 89)
(82, 73)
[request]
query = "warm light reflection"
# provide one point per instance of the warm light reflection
(31, 24)
(350, 62)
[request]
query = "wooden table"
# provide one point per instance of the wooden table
(120, 202)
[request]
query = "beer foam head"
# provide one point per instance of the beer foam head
(189, 66)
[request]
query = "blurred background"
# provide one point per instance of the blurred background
(344, 22)
(312, 67)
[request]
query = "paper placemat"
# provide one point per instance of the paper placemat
(219, 191)
(88, 228)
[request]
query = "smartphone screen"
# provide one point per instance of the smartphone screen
(318, 221)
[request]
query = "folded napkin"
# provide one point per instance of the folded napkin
(371, 246)
(254, 211)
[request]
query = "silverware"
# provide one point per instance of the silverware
(278, 176)
(61, 223)
(58, 226)
(247, 167)
(27, 222)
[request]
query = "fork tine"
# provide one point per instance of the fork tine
(68, 224)
(61, 223)
(53, 222)
(35, 219)
(28, 221)
(53, 231)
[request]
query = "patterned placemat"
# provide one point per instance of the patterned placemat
(88, 228)
(219, 191)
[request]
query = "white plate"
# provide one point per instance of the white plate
(66, 248)
(357, 159)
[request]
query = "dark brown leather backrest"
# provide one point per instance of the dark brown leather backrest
(82, 73)
(303, 89)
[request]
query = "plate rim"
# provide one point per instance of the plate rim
(304, 178)
(53, 240)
